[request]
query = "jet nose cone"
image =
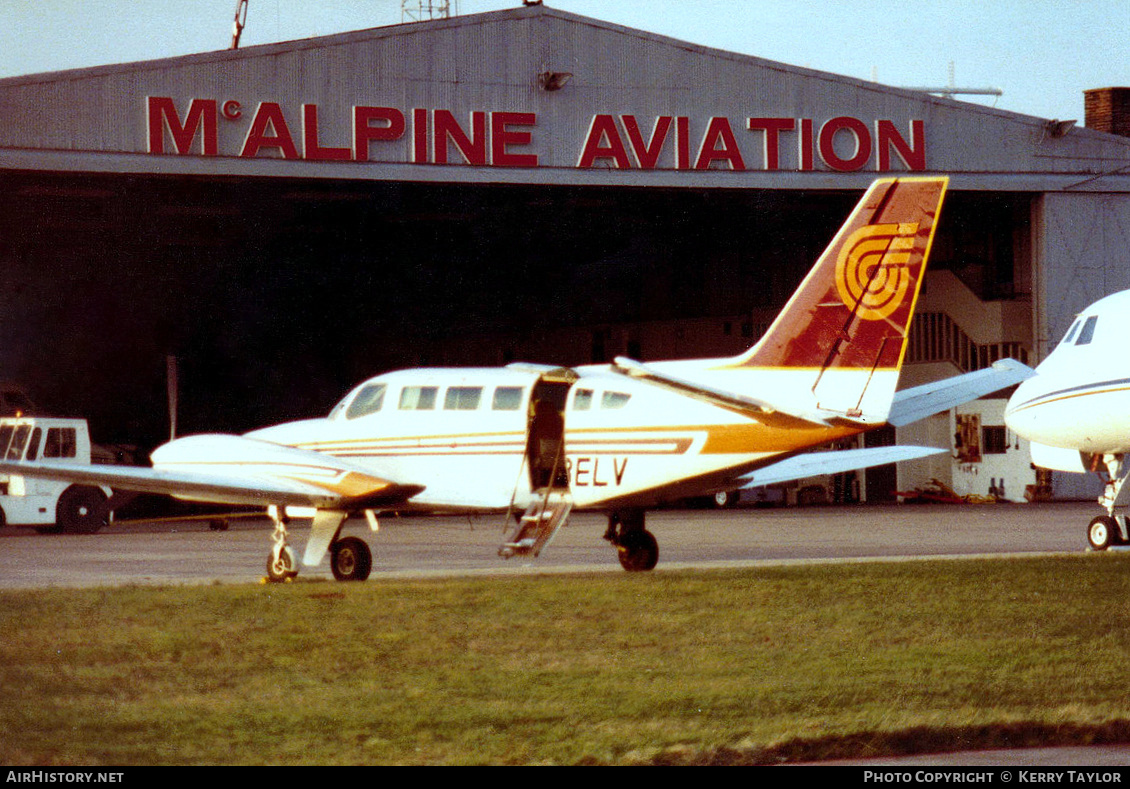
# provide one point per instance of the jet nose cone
(1019, 417)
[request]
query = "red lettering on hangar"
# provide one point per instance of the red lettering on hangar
(842, 143)
(486, 138)
(502, 139)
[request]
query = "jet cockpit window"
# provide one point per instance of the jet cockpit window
(418, 398)
(367, 401)
(1070, 333)
(507, 398)
(462, 398)
(582, 400)
(614, 400)
(1087, 333)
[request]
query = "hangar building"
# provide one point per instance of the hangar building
(526, 184)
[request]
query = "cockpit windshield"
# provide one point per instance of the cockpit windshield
(1067, 338)
(1082, 331)
(1087, 333)
(368, 400)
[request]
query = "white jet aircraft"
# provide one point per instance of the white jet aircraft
(1076, 410)
(616, 438)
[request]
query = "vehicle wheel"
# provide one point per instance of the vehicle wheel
(638, 551)
(811, 496)
(725, 498)
(1102, 533)
(351, 559)
(81, 510)
(281, 567)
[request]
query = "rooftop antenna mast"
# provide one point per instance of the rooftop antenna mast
(239, 23)
(950, 90)
(423, 10)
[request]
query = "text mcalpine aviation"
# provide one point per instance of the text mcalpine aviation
(508, 139)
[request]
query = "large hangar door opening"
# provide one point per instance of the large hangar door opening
(278, 295)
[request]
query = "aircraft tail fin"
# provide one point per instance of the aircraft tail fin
(835, 350)
(854, 307)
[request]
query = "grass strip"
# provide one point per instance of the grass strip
(762, 665)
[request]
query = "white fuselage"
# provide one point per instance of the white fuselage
(1079, 398)
(463, 434)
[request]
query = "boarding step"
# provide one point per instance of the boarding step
(539, 524)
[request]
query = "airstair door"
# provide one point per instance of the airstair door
(545, 438)
(551, 502)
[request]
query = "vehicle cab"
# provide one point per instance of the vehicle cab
(49, 505)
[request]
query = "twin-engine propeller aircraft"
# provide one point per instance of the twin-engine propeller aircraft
(1076, 411)
(617, 438)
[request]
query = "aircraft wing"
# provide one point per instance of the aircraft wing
(332, 486)
(910, 405)
(811, 464)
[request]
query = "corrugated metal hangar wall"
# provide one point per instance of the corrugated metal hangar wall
(289, 218)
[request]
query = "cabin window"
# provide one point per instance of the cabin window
(582, 400)
(418, 398)
(507, 398)
(367, 401)
(1087, 333)
(614, 400)
(60, 443)
(462, 398)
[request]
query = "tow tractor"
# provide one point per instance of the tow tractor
(49, 506)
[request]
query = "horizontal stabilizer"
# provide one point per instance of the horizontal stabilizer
(701, 391)
(910, 405)
(812, 464)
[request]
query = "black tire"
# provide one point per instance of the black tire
(638, 551)
(81, 510)
(282, 569)
(1102, 533)
(351, 559)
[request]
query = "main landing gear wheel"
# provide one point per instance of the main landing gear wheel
(351, 559)
(638, 551)
(636, 547)
(1102, 533)
(281, 565)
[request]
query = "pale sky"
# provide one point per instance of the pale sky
(1041, 53)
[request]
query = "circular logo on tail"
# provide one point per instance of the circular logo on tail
(873, 272)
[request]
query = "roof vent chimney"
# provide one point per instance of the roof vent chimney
(1108, 110)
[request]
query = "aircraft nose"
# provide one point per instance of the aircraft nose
(1017, 418)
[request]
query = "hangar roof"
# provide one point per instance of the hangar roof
(528, 95)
